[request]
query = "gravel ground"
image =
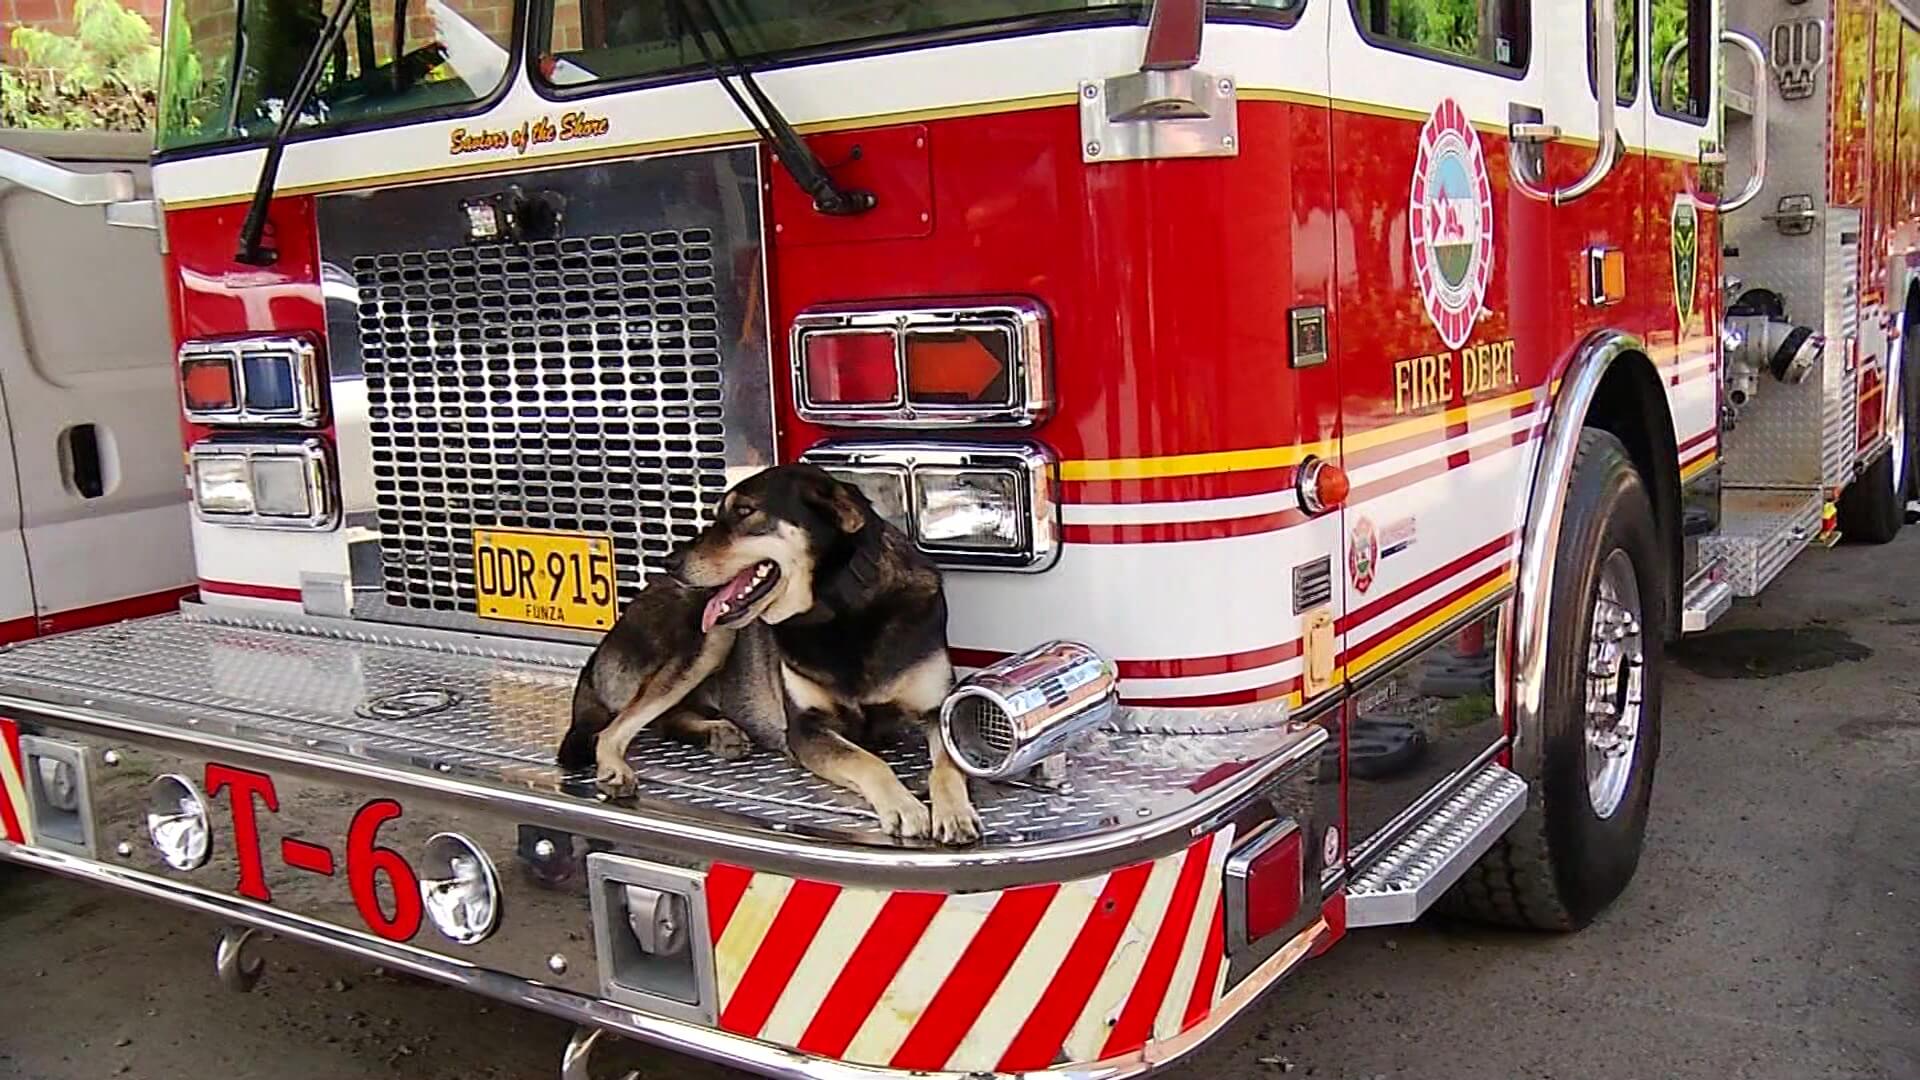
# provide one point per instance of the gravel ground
(1773, 932)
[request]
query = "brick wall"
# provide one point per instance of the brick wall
(57, 15)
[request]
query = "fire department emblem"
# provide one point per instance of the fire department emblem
(1450, 211)
(1686, 255)
(1363, 554)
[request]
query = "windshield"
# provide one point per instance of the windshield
(588, 41)
(228, 65)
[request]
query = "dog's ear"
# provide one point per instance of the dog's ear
(838, 502)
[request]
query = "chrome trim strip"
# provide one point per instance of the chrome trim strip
(1022, 320)
(324, 505)
(676, 830)
(1539, 537)
(679, 1035)
(308, 408)
(1031, 460)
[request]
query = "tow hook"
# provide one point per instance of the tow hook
(238, 969)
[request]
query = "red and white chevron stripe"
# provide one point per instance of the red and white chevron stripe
(1016, 979)
(16, 813)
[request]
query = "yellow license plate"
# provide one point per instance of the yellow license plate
(549, 578)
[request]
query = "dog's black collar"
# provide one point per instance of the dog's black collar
(843, 586)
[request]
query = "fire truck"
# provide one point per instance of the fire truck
(1325, 413)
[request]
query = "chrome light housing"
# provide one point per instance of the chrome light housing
(177, 822)
(267, 379)
(1006, 717)
(958, 365)
(978, 506)
(265, 485)
(459, 889)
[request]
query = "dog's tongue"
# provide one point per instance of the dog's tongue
(726, 594)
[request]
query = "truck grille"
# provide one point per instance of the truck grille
(571, 384)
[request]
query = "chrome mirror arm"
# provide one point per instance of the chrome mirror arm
(113, 190)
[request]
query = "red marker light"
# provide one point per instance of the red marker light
(851, 369)
(207, 384)
(1322, 485)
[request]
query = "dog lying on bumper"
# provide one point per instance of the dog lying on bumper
(798, 602)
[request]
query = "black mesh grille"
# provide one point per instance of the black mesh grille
(573, 385)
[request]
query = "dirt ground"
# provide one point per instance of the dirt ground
(1773, 932)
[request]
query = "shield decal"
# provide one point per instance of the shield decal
(1686, 256)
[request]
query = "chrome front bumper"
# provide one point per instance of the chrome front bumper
(453, 733)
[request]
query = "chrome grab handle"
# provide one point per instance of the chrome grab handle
(1758, 58)
(113, 190)
(1606, 78)
(1666, 68)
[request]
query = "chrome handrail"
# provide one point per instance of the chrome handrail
(1606, 93)
(1761, 91)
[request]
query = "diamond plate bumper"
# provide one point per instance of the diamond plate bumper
(478, 719)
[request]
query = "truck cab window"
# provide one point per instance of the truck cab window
(1684, 57)
(586, 41)
(229, 65)
(1626, 47)
(1490, 32)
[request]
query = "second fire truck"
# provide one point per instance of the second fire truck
(1326, 414)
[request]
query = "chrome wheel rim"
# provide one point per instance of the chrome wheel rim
(1616, 659)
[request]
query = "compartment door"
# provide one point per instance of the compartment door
(94, 432)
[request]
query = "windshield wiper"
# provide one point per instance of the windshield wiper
(252, 252)
(793, 152)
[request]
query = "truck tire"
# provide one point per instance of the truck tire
(1874, 506)
(1575, 848)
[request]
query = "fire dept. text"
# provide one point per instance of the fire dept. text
(1421, 382)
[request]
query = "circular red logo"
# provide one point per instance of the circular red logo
(1450, 220)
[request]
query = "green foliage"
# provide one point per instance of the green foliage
(105, 75)
(1449, 25)
(189, 97)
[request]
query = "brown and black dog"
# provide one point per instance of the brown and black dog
(797, 595)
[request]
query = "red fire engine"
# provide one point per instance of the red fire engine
(1326, 414)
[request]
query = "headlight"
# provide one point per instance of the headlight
(281, 488)
(975, 509)
(966, 505)
(221, 485)
(273, 485)
(886, 489)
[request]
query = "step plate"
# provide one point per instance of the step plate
(1413, 873)
(1760, 533)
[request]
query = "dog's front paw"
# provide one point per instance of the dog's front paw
(955, 824)
(726, 741)
(616, 775)
(903, 815)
